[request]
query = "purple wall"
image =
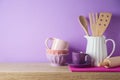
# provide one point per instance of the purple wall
(25, 24)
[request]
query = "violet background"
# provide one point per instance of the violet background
(25, 24)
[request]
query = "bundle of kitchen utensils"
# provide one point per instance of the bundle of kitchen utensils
(98, 23)
(96, 42)
(57, 51)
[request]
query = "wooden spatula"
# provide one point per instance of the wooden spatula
(93, 17)
(92, 27)
(103, 22)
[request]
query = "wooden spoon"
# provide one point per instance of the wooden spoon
(84, 24)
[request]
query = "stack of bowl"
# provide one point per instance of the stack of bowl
(58, 52)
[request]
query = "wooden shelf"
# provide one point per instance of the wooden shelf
(43, 71)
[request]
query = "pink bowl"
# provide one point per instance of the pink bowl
(49, 51)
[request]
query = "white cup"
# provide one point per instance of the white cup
(57, 44)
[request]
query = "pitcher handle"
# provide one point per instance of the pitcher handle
(113, 47)
(46, 42)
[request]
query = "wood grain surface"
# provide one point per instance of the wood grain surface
(43, 71)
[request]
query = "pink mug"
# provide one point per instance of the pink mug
(57, 44)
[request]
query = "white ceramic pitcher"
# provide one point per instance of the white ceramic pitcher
(96, 48)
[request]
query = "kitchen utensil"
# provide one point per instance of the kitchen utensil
(91, 23)
(96, 28)
(96, 17)
(96, 48)
(103, 22)
(84, 24)
(93, 17)
(111, 62)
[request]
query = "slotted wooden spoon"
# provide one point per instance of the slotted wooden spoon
(84, 24)
(103, 22)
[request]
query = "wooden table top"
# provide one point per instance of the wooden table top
(44, 71)
(31, 67)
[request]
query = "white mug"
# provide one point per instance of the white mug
(57, 44)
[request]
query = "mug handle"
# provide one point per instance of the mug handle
(113, 49)
(46, 42)
(87, 58)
